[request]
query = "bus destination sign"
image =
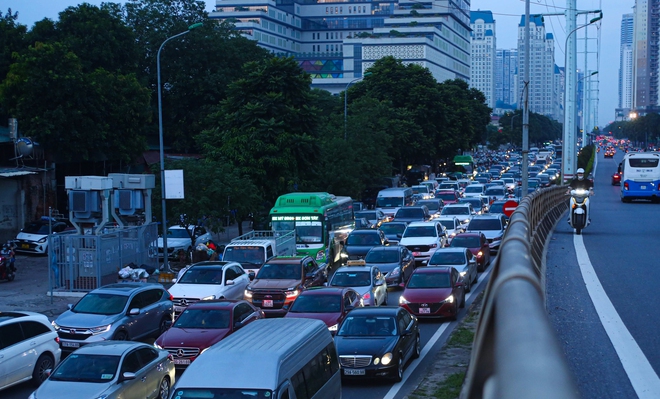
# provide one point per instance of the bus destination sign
(305, 218)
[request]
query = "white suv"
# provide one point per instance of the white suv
(424, 238)
(29, 346)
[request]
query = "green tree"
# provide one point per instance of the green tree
(266, 127)
(12, 41)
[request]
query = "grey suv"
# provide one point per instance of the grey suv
(124, 311)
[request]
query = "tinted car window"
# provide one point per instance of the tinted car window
(33, 329)
(147, 355)
(131, 363)
(99, 303)
(10, 334)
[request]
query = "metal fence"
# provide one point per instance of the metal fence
(515, 353)
(86, 262)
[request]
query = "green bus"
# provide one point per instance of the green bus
(321, 222)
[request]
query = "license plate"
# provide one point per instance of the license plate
(268, 303)
(424, 310)
(354, 372)
(181, 361)
(25, 246)
(417, 253)
(642, 187)
(71, 344)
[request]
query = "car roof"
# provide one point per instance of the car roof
(386, 248)
(487, 216)
(468, 234)
(451, 249)
(214, 264)
(109, 348)
(375, 311)
(434, 269)
(288, 259)
(365, 231)
(415, 224)
(355, 268)
(457, 205)
(19, 314)
(325, 290)
(126, 288)
(216, 304)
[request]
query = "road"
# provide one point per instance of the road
(602, 288)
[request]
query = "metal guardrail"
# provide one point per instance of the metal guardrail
(515, 353)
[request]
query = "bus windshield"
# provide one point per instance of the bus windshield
(306, 232)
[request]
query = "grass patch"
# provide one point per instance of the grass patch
(462, 336)
(451, 387)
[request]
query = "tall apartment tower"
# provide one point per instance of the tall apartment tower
(482, 63)
(645, 55)
(506, 70)
(542, 93)
(626, 64)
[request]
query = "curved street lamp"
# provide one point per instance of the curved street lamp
(166, 265)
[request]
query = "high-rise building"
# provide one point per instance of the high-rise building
(542, 95)
(506, 70)
(337, 41)
(482, 63)
(625, 63)
(645, 55)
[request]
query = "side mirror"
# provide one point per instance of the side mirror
(127, 377)
(348, 308)
(69, 306)
(174, 280)
(326, 284)
(134, 312)
(309, 275)
(458, 284)
(399, 235)
(48, 372)
(238, 325)
(251, 275)
(378, 283)
(229, 282)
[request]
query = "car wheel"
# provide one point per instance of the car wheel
(463, 301)
(418, 347)
(45, 362)
(468, 286)
(399, 370)
(164, 388)
(120, 336)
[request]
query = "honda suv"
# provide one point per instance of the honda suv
(423, 238)
(493, 227)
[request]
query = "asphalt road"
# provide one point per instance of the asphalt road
(621, 244)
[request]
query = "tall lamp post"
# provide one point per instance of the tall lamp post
(586, 106)
(346, 101)
(166, 265)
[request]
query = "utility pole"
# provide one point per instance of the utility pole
(569, 150)
(525, 127)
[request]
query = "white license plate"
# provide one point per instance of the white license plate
(71, 344)
(181, 361)
(417, 253)
(642, 187)
(268, 303)
(354, 372)
(424, 310)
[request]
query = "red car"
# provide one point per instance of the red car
(328, 304)
(616, 179)
(434, 291)
(477, 243)
(203, 324)
(448, 196)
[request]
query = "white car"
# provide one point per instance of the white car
(464, 212)
(178, 239)
(493, 226)
(29, 346)
(209, 280)
(33, 238)
(474, 190)
(423, 238)
(453, 226)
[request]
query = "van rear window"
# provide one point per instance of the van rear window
(643, 162)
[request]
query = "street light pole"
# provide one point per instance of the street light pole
(166, 266)
(346, 101)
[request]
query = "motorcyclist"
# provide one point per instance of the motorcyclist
(579, 182)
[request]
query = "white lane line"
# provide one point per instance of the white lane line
(644, 380)
(427, 348)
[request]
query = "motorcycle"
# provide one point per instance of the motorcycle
(579, 209)
(7, 270)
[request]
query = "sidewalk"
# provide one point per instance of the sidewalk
(29, 291)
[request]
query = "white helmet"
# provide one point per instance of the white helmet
(580, 173)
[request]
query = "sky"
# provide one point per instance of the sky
(507, 14)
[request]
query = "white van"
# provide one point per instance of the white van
(390, 200)
(266, 359)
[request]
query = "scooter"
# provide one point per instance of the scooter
(7, 271)
(579, 209)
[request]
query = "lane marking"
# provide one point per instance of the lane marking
(427, 348)
(643, 378)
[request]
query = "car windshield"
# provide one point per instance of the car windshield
(496, 208)
(317, 304)
(386, 256)
(177, 233)
(99, 303)
(393, 228)
(476, 202)
(420, 231)
(36, 228)
(222, 393)
(485, 224)
(449, 224)
(446, 196)
(87, 368)
(447, 258)
(244, 254)
(389, 202)
(495, 191)
(447, 186)
(202, 275)
(429, 280)
(370, 238)
(409, 213)
(432, 205)
(203, 318)
(420, 189)
(456, 210)
(369, 215)
(465, 242)
(280, 271)
(363, 326)
(474, 189)
(351, 279)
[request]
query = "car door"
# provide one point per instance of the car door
(148, 318)
(150, 373)
(38, 338)
(243, 314)
(406, 264)
(134, 388)
(12, 351)
(313, 273)
(241, 281)
(404, 340)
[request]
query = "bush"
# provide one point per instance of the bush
(586, 159)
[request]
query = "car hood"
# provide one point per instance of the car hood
(430, 295)
(490, 234)
(66, 389)
(373, 345)
(330, 319)
(30, 237)
(418, 241)
(183, 290)
(357, 249)
(85, 320)
(174, 242)
(193, 337)
(261, 284)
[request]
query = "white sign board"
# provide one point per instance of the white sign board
(174, 184)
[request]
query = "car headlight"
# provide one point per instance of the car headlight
(100, 330)
(248, 293)
(463, 274)
(333, 328)
(366, 296)
(43, 240)
(450, 299)
(395, 272)
(479, 254)
(402, 300)
(291, 293)
(208, 298)
(497, 238)
(55, 325)
(386, 359)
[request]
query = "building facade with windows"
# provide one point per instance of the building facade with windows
(336, 42)
(645, 42)
(483, 44)
(626, 65)
(506, 83)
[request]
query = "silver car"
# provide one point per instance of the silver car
(368, 281)
(460, 259)
(111, 370)
(124, 311)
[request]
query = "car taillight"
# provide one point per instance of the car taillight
(171, 297)
(57, 339)
(626, 186)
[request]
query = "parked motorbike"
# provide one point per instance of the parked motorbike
(7, 266)
(579, 209)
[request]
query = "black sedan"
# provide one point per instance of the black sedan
(359, 242)
(377, 342)
(396, 261)
(393, 231)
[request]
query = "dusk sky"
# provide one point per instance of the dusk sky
(507, 15)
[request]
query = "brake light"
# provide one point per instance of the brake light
(57, 339)
(171, 296)
(626, 186)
